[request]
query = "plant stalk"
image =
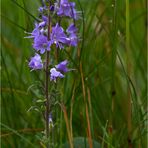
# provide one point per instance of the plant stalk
(47, 95)
(47, 86)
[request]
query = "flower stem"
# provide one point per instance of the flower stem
(47, 86)
(47, 95)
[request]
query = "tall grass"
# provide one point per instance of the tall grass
(104, 101)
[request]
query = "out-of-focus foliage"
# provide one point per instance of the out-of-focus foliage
(96, 92)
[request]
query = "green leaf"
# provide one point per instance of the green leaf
(35, 108)
(41, 101)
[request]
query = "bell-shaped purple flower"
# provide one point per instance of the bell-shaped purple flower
(54, 74)
(58, 36)
(62, 66)
(41, 43)
(67, 8)
(59, 70)
(36, 62)
(73, 39)
(71, 29)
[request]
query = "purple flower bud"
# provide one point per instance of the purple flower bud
(54, 74)
(62, 66)
(52, 8)
(36, 62)
(50, 121)
(41, 9)
(50, 118)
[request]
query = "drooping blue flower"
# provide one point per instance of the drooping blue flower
(67, 8)
(71, 29)
(58, 36)
(73, 39)
(62, 66)
(36, 62)
(41, 43)
(59, 70)
(54, 74)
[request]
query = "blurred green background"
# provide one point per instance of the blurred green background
(107, 93)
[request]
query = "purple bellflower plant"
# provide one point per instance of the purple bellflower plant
(45, 35)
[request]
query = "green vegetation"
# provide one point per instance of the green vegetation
(104, 100)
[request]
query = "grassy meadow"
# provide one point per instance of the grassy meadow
(103, 103)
